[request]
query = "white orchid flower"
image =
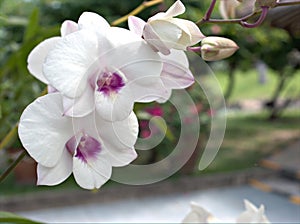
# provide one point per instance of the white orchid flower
(252, 214)
(175, 73)
(197, 214)
(97, 66)
(88, 146)
(163, 32)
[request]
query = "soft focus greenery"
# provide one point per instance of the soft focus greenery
(247, 85)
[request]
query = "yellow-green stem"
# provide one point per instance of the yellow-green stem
(136, 11)
(12, 166)
(8, 138)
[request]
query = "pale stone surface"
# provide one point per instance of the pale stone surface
(224, 203)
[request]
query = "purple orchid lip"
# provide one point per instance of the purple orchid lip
(109, 83)
(87, 148)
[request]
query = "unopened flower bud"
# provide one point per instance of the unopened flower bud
(217, 48)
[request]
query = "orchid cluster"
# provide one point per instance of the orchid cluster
(95, 73)
(252, 214)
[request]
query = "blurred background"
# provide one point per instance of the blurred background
(260, 83)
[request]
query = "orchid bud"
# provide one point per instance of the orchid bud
(227, 8)
(236, 8)
(217, 48)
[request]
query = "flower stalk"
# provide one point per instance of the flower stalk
(209, 10)
(12, 166)
(262, 17)
(243, 21)
(136, 11)
(8, 138)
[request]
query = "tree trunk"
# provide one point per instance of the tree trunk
(231, 81)
(273, 106)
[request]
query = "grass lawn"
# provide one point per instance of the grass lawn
(249, 138)
(247, 86)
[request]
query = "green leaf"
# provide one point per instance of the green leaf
(8, 217)
(33, 25)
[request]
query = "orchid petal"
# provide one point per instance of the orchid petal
(131, 55)
(43, 130)
(197, 214)
(121, 157)
(57, 174)
(128, 37)
(136, 25)
(153, 39)
(93, 174)
(145, 93)
(119, 138)
(176, 9)
(164, 98)
(80, 106)
(120, 134)
(88, 125)
(176, 73)
(93, 21)
(252, 214)
(50, 89)
(116, 107)
(190, 28)
(68, 27)
(69, 64)
(37, 57)
(167, 32)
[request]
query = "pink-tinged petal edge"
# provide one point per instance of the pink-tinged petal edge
(153, 39)
(136, 25)
(68, 27)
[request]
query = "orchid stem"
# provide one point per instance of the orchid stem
(12, 166)
(194, 49)
(136, 11)
(242, 21)
(8, 138)
(262, 17)
(210, 10)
